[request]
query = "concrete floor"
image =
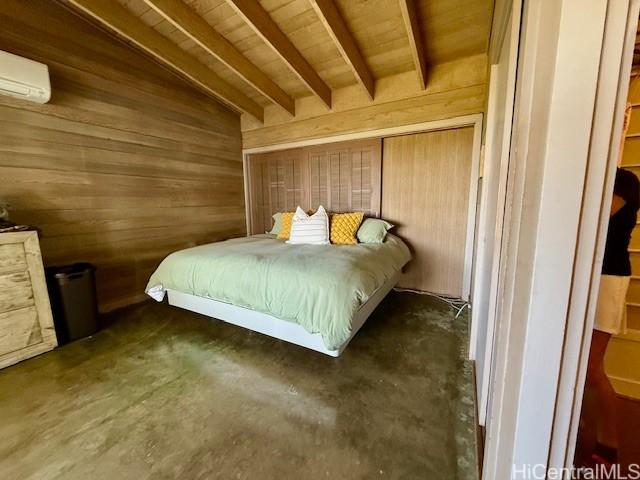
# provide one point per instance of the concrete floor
(165, 393)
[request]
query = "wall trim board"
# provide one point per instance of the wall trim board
(445, 124)
(473, 120)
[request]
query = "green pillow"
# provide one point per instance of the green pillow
(277, 224)
(373, 230)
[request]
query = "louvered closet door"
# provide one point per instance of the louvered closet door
(277, 183)
(425, 193)
(259, 194)
(341, 177)
(345, 177)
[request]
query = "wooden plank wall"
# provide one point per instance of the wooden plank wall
(454, 89)
(124, 165)
(342, 177)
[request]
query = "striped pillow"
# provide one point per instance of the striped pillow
(312, 229)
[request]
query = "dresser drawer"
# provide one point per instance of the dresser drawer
(20, 329)
(12, 258)
(15, 291)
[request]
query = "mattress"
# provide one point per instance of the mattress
(319, 287)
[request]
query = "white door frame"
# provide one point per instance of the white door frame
(561, 41)
(613, 86)
(473, 120)
(492, 204)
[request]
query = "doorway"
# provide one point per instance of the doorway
(558, 177)
(610, 411)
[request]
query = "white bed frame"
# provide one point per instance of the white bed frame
(273, 326)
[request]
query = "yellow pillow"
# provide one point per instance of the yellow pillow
(286, 218)
(344, 227)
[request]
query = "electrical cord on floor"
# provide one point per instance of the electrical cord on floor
(457, 304)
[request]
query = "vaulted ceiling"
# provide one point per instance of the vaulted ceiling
(250, 53)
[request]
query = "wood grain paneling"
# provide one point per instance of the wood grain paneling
(452, 29)
(412, 25)
(12, 258)
(341, 177)
(118, 20)
(331, 18)
(454, 89)
(18, 330)
(198, 30)
(276, 185)
(438, 106)
(125, 164)
(15, 291)
(425, 193)
(269, 31)
(345, 177)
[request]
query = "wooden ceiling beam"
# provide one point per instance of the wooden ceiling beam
(116, 18)
(410, 16)
(337, 28)
(262, 23)
(196, 28)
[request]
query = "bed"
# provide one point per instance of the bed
(316, 296)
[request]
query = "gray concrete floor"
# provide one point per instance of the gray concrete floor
(165, 393)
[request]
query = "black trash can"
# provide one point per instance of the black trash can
(72, 291)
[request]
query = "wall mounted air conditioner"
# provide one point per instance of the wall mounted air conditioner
(24, 78)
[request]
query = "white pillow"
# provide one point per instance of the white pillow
(312, 229)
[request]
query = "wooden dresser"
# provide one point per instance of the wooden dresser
(26, 323)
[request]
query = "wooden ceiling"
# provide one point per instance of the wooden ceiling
(251, 53)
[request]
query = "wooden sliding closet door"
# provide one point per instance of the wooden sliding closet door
(277, 182)
(425, 193)
(340, 176)
(345, 177)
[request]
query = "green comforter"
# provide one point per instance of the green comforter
(320, 287)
